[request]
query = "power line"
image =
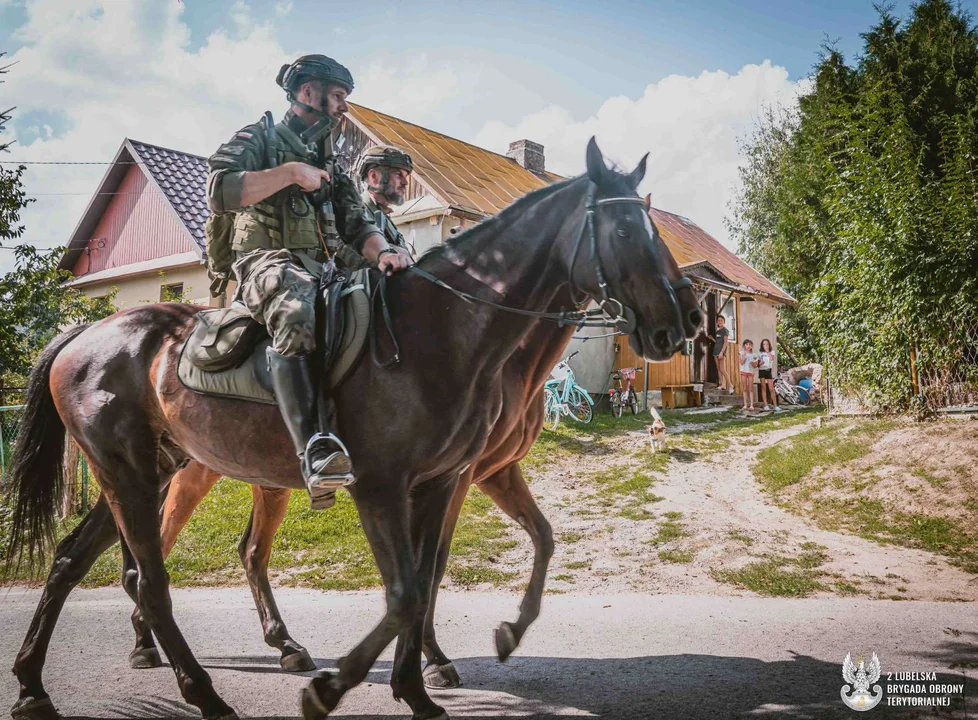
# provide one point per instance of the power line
(69, 162)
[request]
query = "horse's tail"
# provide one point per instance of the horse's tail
(34, 482)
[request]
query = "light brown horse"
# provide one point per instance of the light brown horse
(466, 311)
(497, 473)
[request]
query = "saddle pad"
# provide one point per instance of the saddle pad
(251, 380)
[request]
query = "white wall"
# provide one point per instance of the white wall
(143, 289)
(593, 366)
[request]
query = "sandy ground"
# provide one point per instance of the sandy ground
(729, 522)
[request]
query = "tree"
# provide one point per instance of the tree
(863, 202)
(35, 305)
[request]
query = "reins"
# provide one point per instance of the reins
(611, 312)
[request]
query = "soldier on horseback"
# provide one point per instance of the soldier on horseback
(384, 172)
(291, 203)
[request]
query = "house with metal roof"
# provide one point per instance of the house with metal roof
(143, 233)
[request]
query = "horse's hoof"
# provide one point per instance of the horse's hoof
(226, 716)
(441, 677)
(436, 713)
(145, 658)
(506, 641)
(29, 708)
(320, 697)
(297, 662)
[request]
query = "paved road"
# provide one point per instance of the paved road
(622, 656)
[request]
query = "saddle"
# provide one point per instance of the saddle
(225, 353)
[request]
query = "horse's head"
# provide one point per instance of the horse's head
(689, 306)
(619, 262)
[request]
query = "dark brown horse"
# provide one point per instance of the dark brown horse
(497, 473)
(113, 386)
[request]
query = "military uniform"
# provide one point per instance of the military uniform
(280, 242)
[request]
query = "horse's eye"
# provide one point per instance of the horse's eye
(622, 231)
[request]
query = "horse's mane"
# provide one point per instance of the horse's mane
(491, 227)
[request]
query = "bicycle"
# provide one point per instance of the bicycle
(565, 397)
(551, 408)
(621, 396)
(795, 394)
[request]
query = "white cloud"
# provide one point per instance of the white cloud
(145, 84)
(149, 85)
(415, 90)
(283, 7)
(690, 125)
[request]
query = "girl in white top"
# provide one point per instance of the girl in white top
(766, 369)
(748, 361)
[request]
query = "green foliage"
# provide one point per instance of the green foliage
(35, 305)
(862, 203)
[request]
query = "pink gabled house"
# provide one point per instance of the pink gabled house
(143, 229)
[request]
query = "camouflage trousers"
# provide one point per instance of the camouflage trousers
(280, 292)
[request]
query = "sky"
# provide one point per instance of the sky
(684, 81)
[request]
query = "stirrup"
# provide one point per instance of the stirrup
(337, 469)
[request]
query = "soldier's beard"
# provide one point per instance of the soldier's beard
(393, 197)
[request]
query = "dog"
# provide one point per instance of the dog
(657, 432)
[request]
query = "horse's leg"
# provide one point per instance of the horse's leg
(133, 492)
(187, 488)
(508, 490)
(267, 512)
(72, 560)
(385, 517)
(428, 517)
(440, 672)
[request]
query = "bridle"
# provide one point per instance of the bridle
(611, 312)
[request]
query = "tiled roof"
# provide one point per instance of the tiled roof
(183, 179)
(462, 175)
(690, 244)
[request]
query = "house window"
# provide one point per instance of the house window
(172, 292)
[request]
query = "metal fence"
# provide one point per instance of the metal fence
(940, 374)
(77, 486)
(944, 374)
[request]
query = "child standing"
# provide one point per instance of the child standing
(765, 371)
(748, 361)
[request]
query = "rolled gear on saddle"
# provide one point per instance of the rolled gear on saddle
(280, 244)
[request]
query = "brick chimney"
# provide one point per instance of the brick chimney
(528, 154)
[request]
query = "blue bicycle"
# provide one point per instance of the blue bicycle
(563, 396)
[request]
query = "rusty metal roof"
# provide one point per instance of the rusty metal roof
(690, 245)
(471, 178)
(462, 175)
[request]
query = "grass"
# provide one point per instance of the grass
(787, 463)
(315, 549)
(676, 556)
(802, 459)
(627, 490)
(740, 537)
(777, 575)
(669, 530)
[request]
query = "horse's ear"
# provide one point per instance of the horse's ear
(648, 202)
(638, 174)
(596, 168)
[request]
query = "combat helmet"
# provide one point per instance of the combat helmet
(386, 156)
(314, 67)
(309, 67)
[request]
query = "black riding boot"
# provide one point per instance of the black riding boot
(325, 462)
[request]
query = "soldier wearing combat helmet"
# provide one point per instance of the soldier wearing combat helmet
(384, 172)
(290, 204)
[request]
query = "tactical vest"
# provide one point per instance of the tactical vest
(286, 219)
